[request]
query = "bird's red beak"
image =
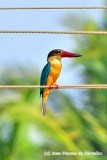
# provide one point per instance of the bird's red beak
(69, 54)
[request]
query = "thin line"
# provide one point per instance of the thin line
(52, 32)
(52, 8)
(81, 86)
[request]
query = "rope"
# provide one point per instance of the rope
(52, 8)
(53, 32)
(82, 86)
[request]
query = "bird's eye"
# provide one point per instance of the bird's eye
(58, 51)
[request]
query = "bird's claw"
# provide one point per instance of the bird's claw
(56, 86)
(50, 87)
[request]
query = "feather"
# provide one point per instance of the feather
(44, 76)
(43, 80)
(43, 108)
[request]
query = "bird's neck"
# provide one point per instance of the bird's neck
(55, 66)
(54, 60)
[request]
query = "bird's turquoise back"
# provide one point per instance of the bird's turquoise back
(44, 76)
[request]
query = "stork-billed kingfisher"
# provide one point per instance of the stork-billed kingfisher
(51, 72)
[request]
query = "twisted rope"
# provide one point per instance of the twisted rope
(53, 32)
(82, 86)
(52, 8)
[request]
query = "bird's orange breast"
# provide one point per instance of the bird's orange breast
(53, 76)
(54, 71)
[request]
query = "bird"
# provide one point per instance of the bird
(51, 72)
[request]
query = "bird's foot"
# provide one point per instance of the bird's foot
(56, 86)
(50, 87)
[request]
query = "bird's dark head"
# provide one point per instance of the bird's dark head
(55, 52)
(61, 54)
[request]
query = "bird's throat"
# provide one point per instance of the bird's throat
(55, 61)
(56, 66)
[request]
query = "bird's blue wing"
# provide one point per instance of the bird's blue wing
(44, 76)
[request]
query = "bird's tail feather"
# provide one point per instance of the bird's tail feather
(43, 108)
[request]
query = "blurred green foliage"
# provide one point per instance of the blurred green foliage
(26, 135)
